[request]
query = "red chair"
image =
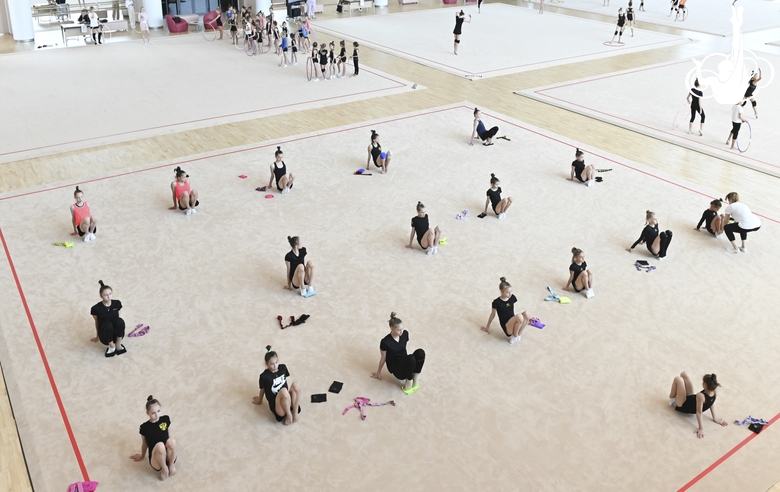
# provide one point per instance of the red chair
(210, 21)
(181, 26)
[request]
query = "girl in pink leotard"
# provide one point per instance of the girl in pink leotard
(183, 195)
(84, 224)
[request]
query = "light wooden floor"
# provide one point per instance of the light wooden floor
(442, 88)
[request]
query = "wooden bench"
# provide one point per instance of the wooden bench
(355, 5)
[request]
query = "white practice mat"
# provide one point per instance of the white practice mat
(97, 95)
(593, 382)
(706, 16)
(646, 100)
(503, 39)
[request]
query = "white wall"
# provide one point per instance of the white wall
(5, 27)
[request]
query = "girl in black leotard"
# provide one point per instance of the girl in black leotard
(157, 440)
(621, 21)
(342, 64)
(504, 306)
(300, 273)
(684, 399)
(754, 79)
(694, 96)
(584, 174)
(656, 243)
(630, 17)
(500, 206)
(460, 18)
(284, 181)
(427, 239)
(375, 153)
(580, 277)
(109, 327)
(401, 364)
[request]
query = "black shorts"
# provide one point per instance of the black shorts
(233, 29)
(150, 461)
(197, 202)
(503, 327)
(280, 419)
(574, 284)
(294, 49)
(81, 233)
(630, 17)
(689, 406)
(735, 129)
(284, 50)
(343, 59)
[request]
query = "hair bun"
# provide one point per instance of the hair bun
(101, 283)
(503, 279)
(149, 398)
(492, 175)
(392, 315)
(648, 212)
(77, 189)
(267, 348)
(278, 147)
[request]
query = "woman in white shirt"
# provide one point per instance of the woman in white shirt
(95, 26)
(744, 221)
(736, 122)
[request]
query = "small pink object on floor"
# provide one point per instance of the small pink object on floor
(83, 487)
(361, 402)
(269, 196)
(242, 176)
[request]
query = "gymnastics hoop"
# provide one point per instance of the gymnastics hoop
(750, 138)
(210, 35)
(614, 45)
(675, 123)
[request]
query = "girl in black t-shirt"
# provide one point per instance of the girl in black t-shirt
(694, 99)
(109, 327)
(156, 438)
(584, 174)
(500, 206)
(713, 222)
(427, 238)
(282, 400)
(300, 273)
(580, 278)
(504, 306)
(405, 367)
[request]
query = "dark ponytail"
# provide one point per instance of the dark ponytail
(150, 400)
(77, 192)
(269, 354)
(711, 382)
(493, 179)
(578, 152)
(103, 287)
(293, 240)
(278, 151)
(180, 172)
(373, 135)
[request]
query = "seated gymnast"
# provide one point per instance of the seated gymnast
(405, 367)
(479, 130)
(184, 197)
(499, 205)
(282, 400)
(713, 222)
(427, 239)
(381, 159)
(109, 326)
(84, 223)
(156, 438)
(300, 273)
(684, 399)
(584, 174)
(656, 243)
(284, 181)
(580, 278)
(504, 305)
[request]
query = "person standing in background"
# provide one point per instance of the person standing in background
(130, 13)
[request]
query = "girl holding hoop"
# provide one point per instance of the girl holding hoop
(156, 438)
(694, 96)
(744, 221)
(404, 366)
(504, 306)
(620, 27)
(737, 117)
(460, 18)
(684, 399)
(427, 239)
(381, 159)
(754, 79)
(656, 243)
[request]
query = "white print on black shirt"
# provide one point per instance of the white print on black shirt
(278, 383)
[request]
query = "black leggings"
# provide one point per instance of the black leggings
(111, 330)
(735, 129)
(730, 229)
(693, 114)
(410, 365)
(488, 134)
(355, 62)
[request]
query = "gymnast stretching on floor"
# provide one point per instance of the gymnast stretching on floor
(584, 174)
(656, 243)
(713, 222)
(184, 196)
(381, 159)
(504, 306)
(500, 206)
(479, 130)
(580, 278)
(427, 239)
(684, 399)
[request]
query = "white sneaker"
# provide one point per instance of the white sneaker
(732, 250)
(720, 236)
(188, 211)
(295, 63)
(338, 75)
(284, 66)
(589, 293)
(87, 237)
(285, 190)
(92, 236)
(514, 340)
(673, 402)
(429, 251)
(435, 249)
(743, 250)
(303, 292)
(193, 211)
(315, 79)
(590, 183)
(502, 216)
(310, 290)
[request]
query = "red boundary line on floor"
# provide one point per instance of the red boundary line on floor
(723, 458)
(693, 143)
(45, 361)
(43, 354)
(199, 120)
